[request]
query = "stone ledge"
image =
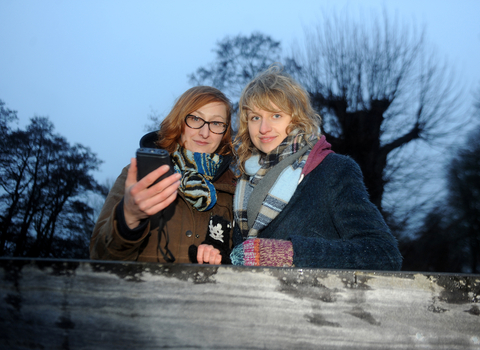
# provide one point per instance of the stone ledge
(72, 304)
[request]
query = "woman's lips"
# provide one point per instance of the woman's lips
(201, 143)
(266, 139)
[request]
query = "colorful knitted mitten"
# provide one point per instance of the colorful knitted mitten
(263, 252)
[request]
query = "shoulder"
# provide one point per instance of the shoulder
(337, 174)
(336, 164)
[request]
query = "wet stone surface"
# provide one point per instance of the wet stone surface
(55, 304)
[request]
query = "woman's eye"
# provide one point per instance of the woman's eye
(276, 116)
(195, 119)
(217, 123)
(254, 118)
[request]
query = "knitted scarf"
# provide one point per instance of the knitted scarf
(198, 170)
(256, 167)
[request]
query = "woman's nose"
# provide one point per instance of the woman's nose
(264, 126)
(204, 131)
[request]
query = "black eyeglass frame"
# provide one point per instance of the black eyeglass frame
(205, 122)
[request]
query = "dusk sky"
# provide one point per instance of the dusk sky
(97, 69)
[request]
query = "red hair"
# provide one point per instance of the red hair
(173, 125)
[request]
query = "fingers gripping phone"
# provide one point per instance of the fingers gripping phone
(150, 159)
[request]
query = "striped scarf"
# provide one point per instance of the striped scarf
(198, 170)
(256, 167)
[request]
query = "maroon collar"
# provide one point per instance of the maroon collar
(321, 149)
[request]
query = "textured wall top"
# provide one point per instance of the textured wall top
(57, 304)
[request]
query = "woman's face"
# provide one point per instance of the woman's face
(203, 140)
(267, 129)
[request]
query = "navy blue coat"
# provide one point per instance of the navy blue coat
(332, 223)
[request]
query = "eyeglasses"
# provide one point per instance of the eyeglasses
(195, 122)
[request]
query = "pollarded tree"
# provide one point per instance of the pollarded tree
(378, 88)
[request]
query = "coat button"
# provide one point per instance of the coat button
(189, 233)
(197, 236)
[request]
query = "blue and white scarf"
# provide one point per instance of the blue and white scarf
(256, 167)
(198, 170)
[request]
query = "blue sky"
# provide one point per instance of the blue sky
(97, 69)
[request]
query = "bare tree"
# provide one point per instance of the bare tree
(378, 88)
(42, 179)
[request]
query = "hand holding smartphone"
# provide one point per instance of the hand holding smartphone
(150, 159)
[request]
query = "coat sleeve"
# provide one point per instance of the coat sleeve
(106, 242)
(362, 238)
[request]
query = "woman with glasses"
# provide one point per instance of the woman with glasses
(187, 216)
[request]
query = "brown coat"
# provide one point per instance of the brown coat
(186, 227)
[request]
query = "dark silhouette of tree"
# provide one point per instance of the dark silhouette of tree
(378, 88)
(432, 249)
(449, 240)
(43, 179)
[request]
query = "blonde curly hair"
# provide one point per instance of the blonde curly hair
(274, 86)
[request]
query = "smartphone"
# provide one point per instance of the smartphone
(150, 159)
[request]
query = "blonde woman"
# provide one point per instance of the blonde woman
(297, 203)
